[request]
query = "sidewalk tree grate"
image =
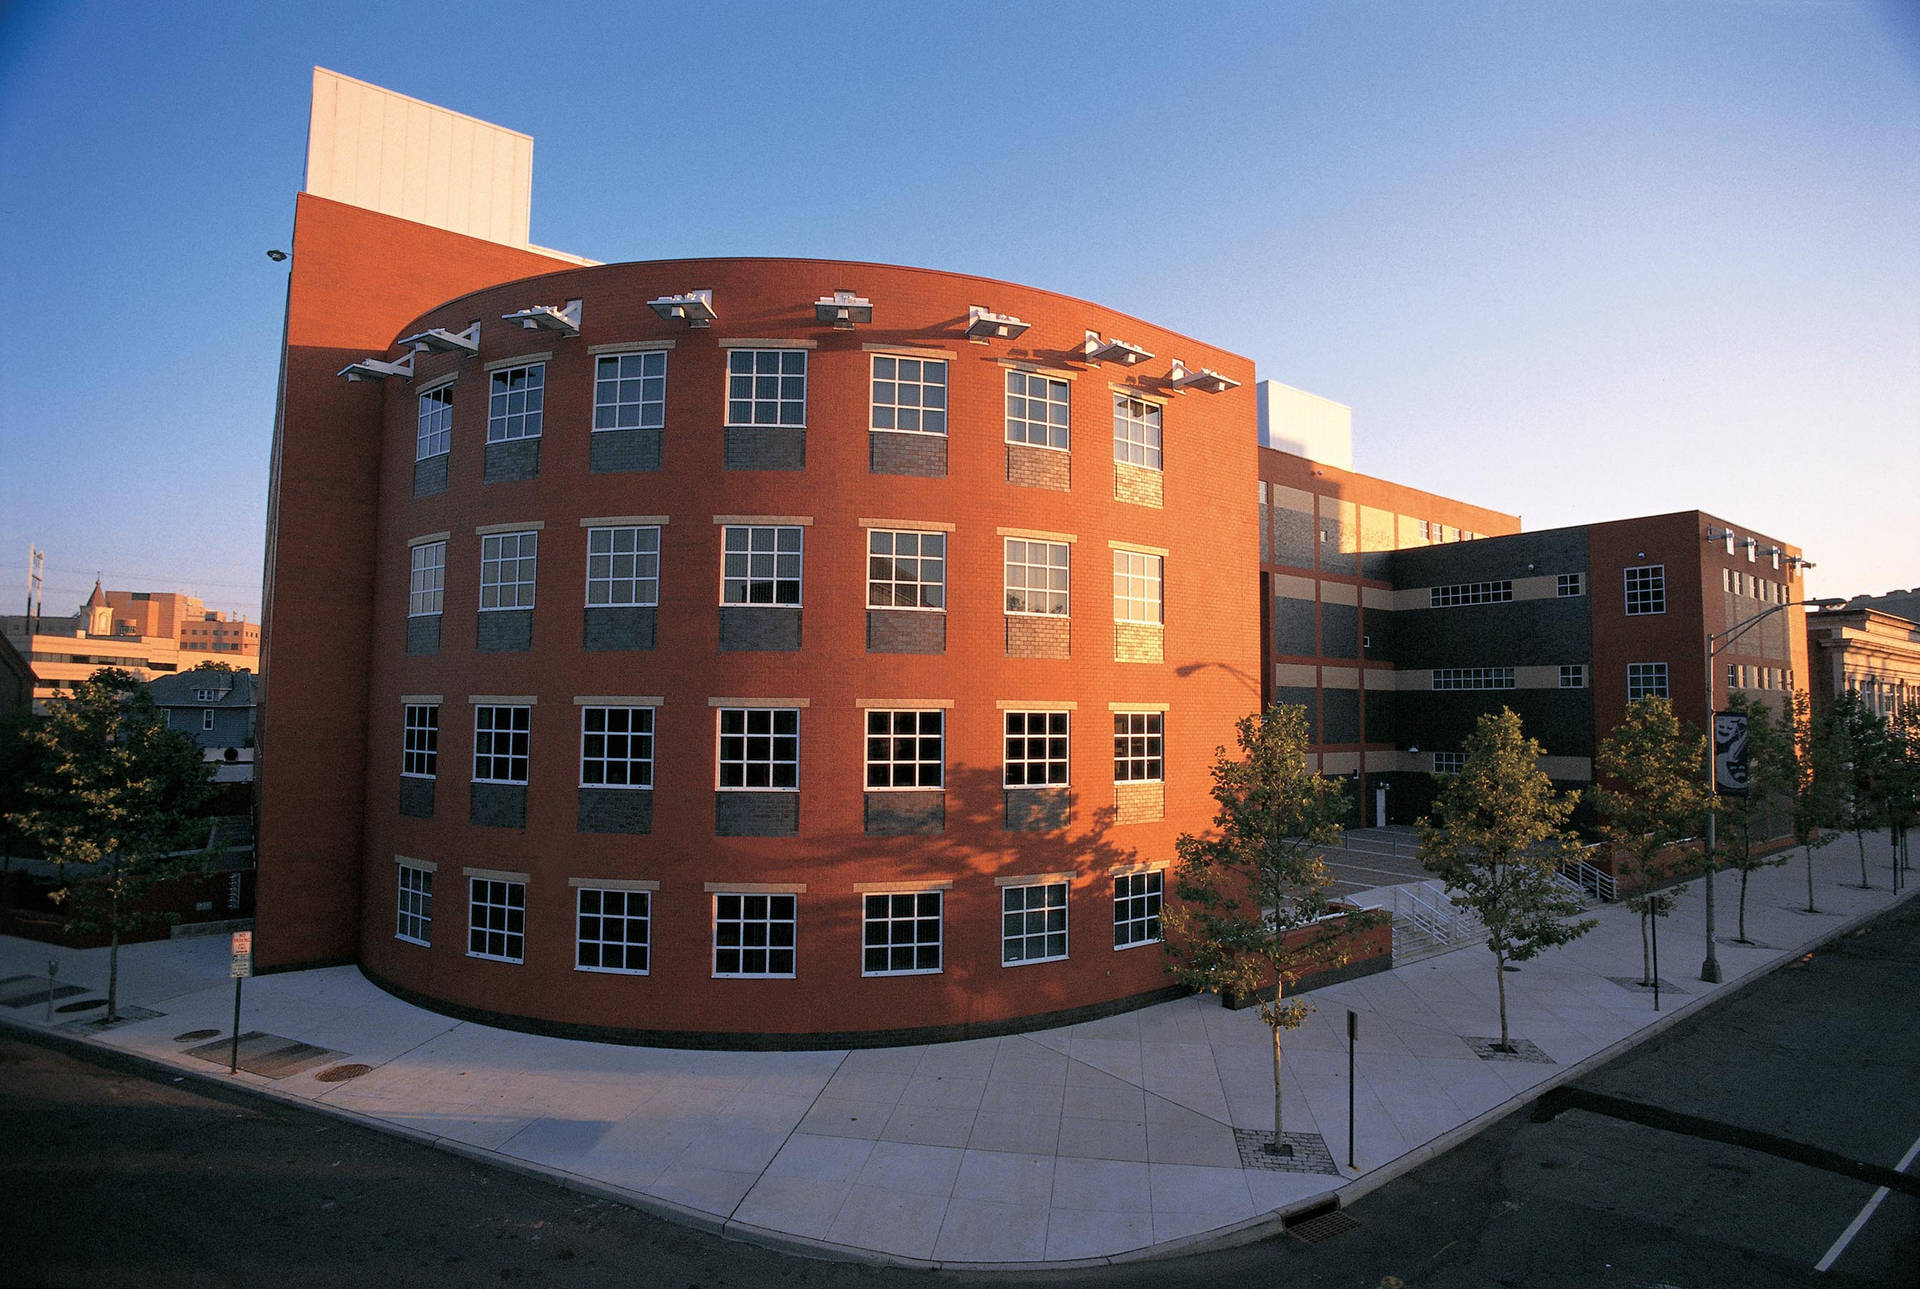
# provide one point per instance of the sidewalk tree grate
(129, 1014)
(341, 1073)
(1318, 1230)
(37, 995)
(196, 1035)
(268, 1055)
(1634, 982)
(1488, 1049)
(1310, 1154)
(84, 1006)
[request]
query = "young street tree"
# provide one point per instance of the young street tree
(1746, 823)
(1862, 753)
(1804, 774)
(1253, 896)
(113, 804)
(1496, 837)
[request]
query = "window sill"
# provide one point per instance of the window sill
(1034, 962)
(922, 971)
(608, 971)
(488, 957)
(407, 939)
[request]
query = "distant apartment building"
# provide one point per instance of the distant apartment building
(149, 633)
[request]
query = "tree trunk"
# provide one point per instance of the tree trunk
(1656, 963)
(1646, 957)
(1500, 978)
(1743, 907)
(1860, 840)
(1279, 1137)
(1810, 907)
(113, 960)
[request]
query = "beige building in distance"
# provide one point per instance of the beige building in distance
(149, 633)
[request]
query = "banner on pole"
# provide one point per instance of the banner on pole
(1730, 753)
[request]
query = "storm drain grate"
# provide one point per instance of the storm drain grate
(1318, 1230)
(341, 1073)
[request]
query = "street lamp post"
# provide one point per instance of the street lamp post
(1710, 969)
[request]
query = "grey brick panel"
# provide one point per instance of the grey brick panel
(920, 455)
(513, 460)
(498, 805)
(759, 630)
(423, 635)
(765, 448)
(416, 798)
(430, 475)
(504, 631)
(756, 814)
(1038, 809)
(616, 810)
(616, 628)
(623, 451)
(900, 814)
(906, 631)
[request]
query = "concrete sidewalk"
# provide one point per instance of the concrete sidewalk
(1117, 1138)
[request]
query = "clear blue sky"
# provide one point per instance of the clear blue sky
(1578, 260)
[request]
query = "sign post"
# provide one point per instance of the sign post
(241, 968)
(1353, 1037)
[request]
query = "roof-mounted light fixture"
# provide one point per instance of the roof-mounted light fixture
(438, 340)
(1113, 351)
(843, 309)
(376, 369)
(695, 308)
(549, 317)
(984, 325)
(1204, 379)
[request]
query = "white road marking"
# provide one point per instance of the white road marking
(1853, 1227)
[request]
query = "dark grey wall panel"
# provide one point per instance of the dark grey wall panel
(416, 798)
(1379, 713)
(899, 814)
(1300, 696)
(504, 631)
(920, 455)
(756, 814)
(423, 635)
(498, 805)
(616, 810)
(1038, 809)
(759, 630)
(623, 451)
(513, 460)
(430, 475)
(906, 631)
(1339, 630)
(619, 627)
(766, 448)
(1294, 538)
(1340, 719)
(1293, 630)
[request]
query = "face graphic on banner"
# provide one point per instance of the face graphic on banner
(1730, 753)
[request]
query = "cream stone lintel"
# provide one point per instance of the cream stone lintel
(910, 525)
(518, 360)
(733, 342)
(1339, 593)
(904, 704)
(618, 700)
(759, 702)
(1536, 677)
(425, 865)
(419, 700)
(524, 526)
(1033, 879)
(1034, 534)
(1146, 866)
(502, 700)
(615, 883)
(1034, 705)
(631, 346)
(1295, 675)
(1139, 707)
(905, 351)
(1545, 587)
(1058, 373)
(756, 888)
(791, 521)
(902, 887)
(428, 537)
(1141, 547)
(1293, 587)
(1340, 678)
(1292, 498)
(625, 521)
(1576, 768)
(1376, 597)
(438, 382)
(1140, 392)
(1339, 762)
(496, 875)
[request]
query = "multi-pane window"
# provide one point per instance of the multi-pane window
(1646, 680)
(1573, 675)
(1137, 747)
(760, 748)
(1036, 576)
(516, 400)
(623, 566)
(436, 423)
(1033, 923)
(1448, 597)
(426, 578)
(1449, 762)
(1646, 590)
(413, 921)
(1036, 410)
(1136, 909)
(497, 919)
(1036, 749)
(613, 930)
(616, 747)
(500, 738)
(906, 749)
(760, 564)
(206, 719)
(910, 394)
(1736, 676)
(1567, 584)
(906, 570)
(1136, 432)
(767, 387)
(630, 391)
(1136, 587)
(1473, 678)
(507, 563)
(901, 934)
(753, 935)
(420, 741)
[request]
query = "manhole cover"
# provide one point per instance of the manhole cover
(81, 1006)
(195, 1035)
(341, 1073)
(1318, 1230)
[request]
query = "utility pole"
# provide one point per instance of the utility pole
(36, 567)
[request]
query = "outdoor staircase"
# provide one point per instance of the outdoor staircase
(1425, 921)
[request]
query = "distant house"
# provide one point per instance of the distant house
(216, 707)
(16, 680)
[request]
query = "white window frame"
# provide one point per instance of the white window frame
(1046, 764)
(626, 918)
(1055, 558)
(903, 918)
(1645, 586)
(885, 592)
(647, 409)
(596, 746)
(902, 747)
(1573, 675)
(1472, 678)
(206, 720)
(1052, 430)
(1648, 680)
(1138, 587)
(633, 572)
(413, 905)
(1568, 585)
(1018, 914)
(516, 409)
(1449, 762)
(426, 579)
(895, 382)
(518, 733)
(741, 570)
(769, 905)
(755, 398)
(746, 740)
(1137, 902)
(1139, 740)
(433, 435)
(420, 741)
(1137, 435)
(495, 902)
(509, 570)
(1461, 594)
